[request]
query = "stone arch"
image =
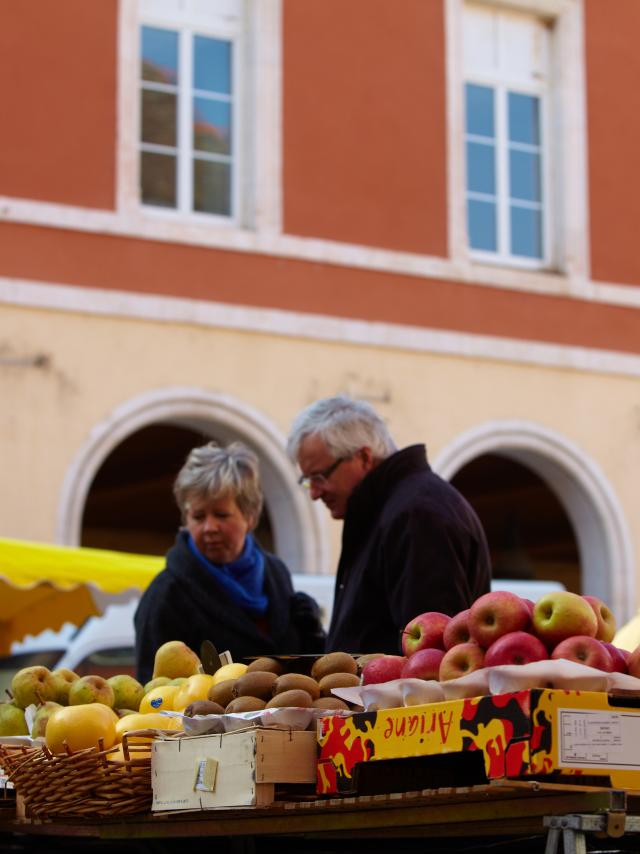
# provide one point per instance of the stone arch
(601, 531)
(297, 525)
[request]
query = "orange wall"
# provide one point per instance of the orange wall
(613, 77)
(150, 267)
(58, 73)
(364, 122)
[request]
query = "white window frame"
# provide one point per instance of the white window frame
(502, 83)
(566, 250)
(258, 137)
(222, 19)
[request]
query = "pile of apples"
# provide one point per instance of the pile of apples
(503, 628)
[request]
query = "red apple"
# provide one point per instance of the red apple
(495, 614)
(561, 614)
(424, 632)
(633, 663)
(457, 630)
(423, 664)
(584, 649)
(515, 648)
(461, 659)
(383, 669)
(530, 604)
(619, 657)
(604, 615)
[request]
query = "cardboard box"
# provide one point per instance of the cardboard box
(233, 769)
(583, 735)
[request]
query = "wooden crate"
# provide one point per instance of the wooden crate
(233, 769)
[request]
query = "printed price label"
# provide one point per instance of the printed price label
(596, 739)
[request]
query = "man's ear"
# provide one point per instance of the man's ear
(368, 460)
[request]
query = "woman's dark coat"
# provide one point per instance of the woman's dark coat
(183, 602)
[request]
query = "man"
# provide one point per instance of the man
(410, 541)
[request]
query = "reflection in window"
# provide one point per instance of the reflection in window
(186, 126)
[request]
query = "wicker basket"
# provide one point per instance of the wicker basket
(88, 783)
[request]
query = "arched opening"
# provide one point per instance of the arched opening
(529, 533)
(596, 517)
(175, 417)
(130, 505)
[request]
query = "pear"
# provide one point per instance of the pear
(91, 689)
(32, 685)
(63, 678)
(12, 720)
(127, 691)
(174, 659)
(156, 683)
(42, 715)
(122, 713)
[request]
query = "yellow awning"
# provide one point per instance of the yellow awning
(43, 586)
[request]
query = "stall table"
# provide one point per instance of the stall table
(500, 809)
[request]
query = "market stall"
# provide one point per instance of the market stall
(43, 586)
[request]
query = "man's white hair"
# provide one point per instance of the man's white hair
(345, 425)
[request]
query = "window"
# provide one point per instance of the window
(506, 80)
(189, 113)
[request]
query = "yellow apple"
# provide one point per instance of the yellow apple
(32, 685)
(127, 691)
(91, 689)
(12, 720)
(63, 678)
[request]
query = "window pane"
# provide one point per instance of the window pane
(158, 179)
(481, 172)
(212, 187)
(159, 117)
(211, 126)
(482, 225)
(524, 119)
(479, 110)
(526, 232)
(524, 176)
(159, 53)
(212, 65)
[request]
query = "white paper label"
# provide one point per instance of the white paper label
(592, 738)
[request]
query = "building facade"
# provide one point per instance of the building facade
(215, 211)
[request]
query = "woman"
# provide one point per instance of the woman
(218, 584)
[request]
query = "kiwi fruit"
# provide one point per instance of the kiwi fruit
(293, 698)
(203, 707)
(337, 680)
(333, 662)
(296, 681)
(222, 692)
(258, 683)
(266, 665)
(329, 703)
(245, 704)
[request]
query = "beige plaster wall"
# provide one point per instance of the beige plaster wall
(95, 364)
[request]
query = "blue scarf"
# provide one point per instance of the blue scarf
(242, 579)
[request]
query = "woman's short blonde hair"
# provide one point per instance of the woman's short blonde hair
(212, 471)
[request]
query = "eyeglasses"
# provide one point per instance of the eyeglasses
(319, 478)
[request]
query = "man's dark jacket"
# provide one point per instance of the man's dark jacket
(184, 602)
(410, 543)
